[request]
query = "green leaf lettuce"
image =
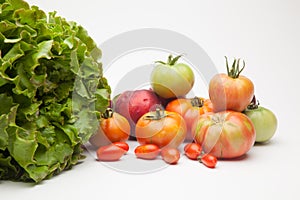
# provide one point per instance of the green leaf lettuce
(52, 92)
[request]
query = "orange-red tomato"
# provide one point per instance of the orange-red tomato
(122, 145)
(161, 128)
(147, 151)
(113, 128)
(231, 91)
(209, 160)
(110, 153)
(190, 110)
(226, 134)
(193, 150)
(170, 155)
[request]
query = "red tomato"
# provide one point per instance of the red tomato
(190, 109)
(162, 128)
(170, 155)
(110, 153)
(231, 91)
(122, 145)
(113, 128)
(225, 135)
(209, 160)
(147, 151)
(193, 150)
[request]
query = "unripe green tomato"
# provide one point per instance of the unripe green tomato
(172, 79)
(265, 123)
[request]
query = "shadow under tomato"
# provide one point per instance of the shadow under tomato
(270, 142)
(240, 158)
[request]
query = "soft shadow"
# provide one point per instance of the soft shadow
(237, 159)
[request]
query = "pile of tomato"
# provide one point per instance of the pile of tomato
(224, 125)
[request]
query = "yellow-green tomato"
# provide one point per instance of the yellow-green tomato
(172, 79)
(264, 121)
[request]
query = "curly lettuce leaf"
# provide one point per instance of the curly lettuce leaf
(52, 92)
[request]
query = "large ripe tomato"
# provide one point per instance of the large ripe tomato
(172, 79)
(231, 91)
(264, 120)
(190, 109)
(113, 128)
(162, 128)
(227, 134)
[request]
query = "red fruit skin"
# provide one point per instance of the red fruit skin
(147, 151)
(209, 161)
(110, 153)
(133, 104)
(170, 155)
(193, 150)
(122, 145)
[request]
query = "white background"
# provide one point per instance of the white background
(265, 33)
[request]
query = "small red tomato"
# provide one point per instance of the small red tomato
(122, 145)
(110, 153)
(170, 155)
(192, 150)
(147, 151)
(208, 160)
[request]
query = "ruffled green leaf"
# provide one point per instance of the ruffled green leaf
(52, 92)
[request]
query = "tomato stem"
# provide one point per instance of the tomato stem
(159, 114)
(254, 104)
(171, 61)
(197, 102)
(234, 71)
(107, 114)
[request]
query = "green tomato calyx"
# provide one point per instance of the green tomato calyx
(254, 104)
(234, 71)
(197, 102)
(107, 114)
(157, 114)
(171, 61)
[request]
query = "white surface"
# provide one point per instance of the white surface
(264, 33)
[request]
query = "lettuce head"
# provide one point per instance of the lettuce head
(52, 92)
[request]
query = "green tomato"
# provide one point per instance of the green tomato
(264, 120)
(172, 79)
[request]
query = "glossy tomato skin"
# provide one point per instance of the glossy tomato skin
(122, 145)
(209, 160)
(172, 80)
(170, 155)
(147, 151)
(170, 130)
(225, 135)
(113, 129)
(190, 110)
(228, 93)
(110, 153)
(265, 123)
(192, 150)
